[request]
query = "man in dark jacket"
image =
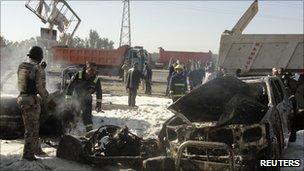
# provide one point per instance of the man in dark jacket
(178, 84)
(171, 72)
(84, 83)
(148, 78)
(195, 77)
(132, 83)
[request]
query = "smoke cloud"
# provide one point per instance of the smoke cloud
(12, 55)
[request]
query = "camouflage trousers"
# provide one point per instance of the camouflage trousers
(30, 109)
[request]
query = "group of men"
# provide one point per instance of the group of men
(180, 75)
(195, 74)
(32, 81)
(83, 84)
(294, 86)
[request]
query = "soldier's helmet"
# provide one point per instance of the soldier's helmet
(35, 53)
(179, 67)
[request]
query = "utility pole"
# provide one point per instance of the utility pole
(125, 31)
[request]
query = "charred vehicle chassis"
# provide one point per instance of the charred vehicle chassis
(227, 124)
(108, 145)
(54, 120)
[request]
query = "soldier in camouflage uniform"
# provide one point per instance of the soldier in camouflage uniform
(29, 85)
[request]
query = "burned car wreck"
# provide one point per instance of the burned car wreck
(54, 119)
(226, 124)
(107, 145)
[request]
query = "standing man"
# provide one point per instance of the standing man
(125, 67)
(148, 78)
(29, 85)
(195, 77)
(220, 72)
(281, 72)
(191, 77)
(85, 83)
(133, 80)
(178, 84)
(210, 74)
(171, 72)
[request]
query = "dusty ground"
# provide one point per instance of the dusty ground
(116, 87)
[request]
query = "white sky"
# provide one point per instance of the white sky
(173, 25)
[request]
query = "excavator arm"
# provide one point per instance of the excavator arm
(245, 19)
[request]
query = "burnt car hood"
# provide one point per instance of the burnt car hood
(226, 100)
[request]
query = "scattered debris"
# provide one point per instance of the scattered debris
(109, 144)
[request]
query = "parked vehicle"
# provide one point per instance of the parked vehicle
(167, 57)
(259, 53)
(109, 61)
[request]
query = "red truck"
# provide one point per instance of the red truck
(166, 57)
(109, 61)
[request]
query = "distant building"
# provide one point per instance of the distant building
(166, 57)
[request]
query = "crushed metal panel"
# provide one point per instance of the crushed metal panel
(242, 110)
(206, 103)
(110, 144)
(204, 144)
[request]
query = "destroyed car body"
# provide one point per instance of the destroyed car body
(227, 124)
(109, 144)
(53, 120)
